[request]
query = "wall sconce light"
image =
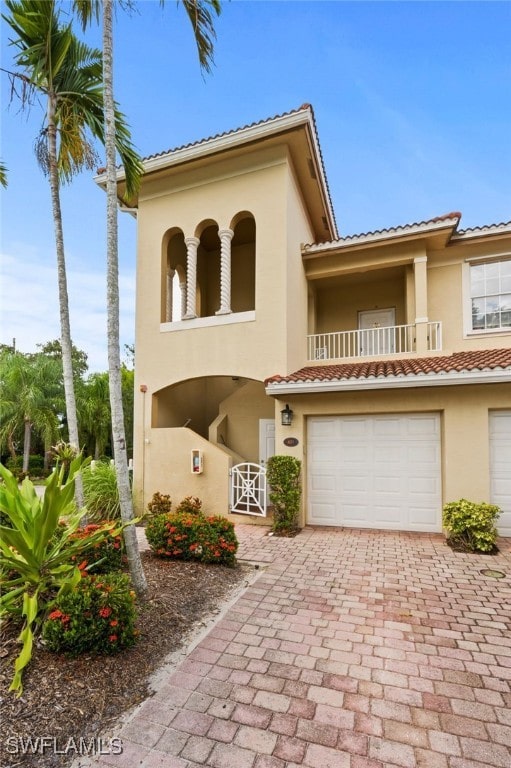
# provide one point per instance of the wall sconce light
(286, 416)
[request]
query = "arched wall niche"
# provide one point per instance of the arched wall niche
(243, 262)
(173, 262)
(208, 268)
(224, 262)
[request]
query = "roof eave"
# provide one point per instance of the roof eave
(445, 228)
(494, 376)
(243, 136)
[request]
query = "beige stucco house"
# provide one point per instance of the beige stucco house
(391, 348)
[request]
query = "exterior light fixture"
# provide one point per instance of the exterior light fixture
(286, 416)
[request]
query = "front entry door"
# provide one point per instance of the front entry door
(266, 440)
(376, 331)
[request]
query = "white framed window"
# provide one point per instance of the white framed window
(490, 295)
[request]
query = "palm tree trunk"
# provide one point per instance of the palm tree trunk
(114, 354)
(26, 444)
(11, 446)
(65, 326)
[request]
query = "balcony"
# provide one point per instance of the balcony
(374, 342)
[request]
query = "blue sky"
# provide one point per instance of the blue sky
(412, 102)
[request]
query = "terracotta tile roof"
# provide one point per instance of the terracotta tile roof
(476, 360)
(231, 132)
(487, 228)
(453, 217)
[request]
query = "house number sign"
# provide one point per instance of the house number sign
(291, 441)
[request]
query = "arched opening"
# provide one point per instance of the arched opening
(172, 275)
(243, 262)
(208, 270)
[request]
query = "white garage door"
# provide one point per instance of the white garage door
(500, 467)
(375, 471)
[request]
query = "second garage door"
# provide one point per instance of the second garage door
(378, 471)
(500, 467)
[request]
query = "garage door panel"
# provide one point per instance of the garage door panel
(354, 428)
(387, 484)
(424, 485)
(389, 453)
(422, 427)
(323, 452)
(354, 515)
(323, 514)
(502, 486)
(386, 515)
(323, 482)
(357, 483)
(355, 454)
(326, 428)
(386, 472)
(420, 518)
(388, 428)
(500, 422)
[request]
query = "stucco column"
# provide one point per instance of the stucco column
(225, 236)
(182, 288)
(168, 297)
(192, 243)
(420, 269)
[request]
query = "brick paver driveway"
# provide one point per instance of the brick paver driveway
(353, 649)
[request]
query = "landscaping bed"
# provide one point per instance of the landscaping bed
(65, 698)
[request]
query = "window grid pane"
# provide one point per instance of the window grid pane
(491, 302)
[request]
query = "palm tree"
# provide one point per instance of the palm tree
(55, 65)
(94, 409)
(202, 23)
(30, 392)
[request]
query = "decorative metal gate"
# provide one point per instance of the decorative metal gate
(248, 489)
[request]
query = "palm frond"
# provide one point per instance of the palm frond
(201, 19)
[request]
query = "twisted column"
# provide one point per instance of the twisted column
(225, 236)
(169, 294)
(182, 288)
(192, 243)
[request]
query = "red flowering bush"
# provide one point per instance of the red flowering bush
(193, 537)
(102, 556)
(97, 616)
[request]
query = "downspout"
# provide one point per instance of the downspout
(143, 389)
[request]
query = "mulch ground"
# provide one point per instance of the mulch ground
(65, 698)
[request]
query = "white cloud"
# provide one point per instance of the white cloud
(30, 308)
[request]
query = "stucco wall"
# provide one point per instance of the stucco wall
(244, 408)
(164, 467)
(252, 346)
(464, 415)
(338, 305)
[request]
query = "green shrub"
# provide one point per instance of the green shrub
(283, 475)
(190, 505)
(471, 526)
(193, 537)
(14, 464)
(98, 616)
(100, 492)
(160, 504)
(101, 556)
(37, 556)
(35, 466)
